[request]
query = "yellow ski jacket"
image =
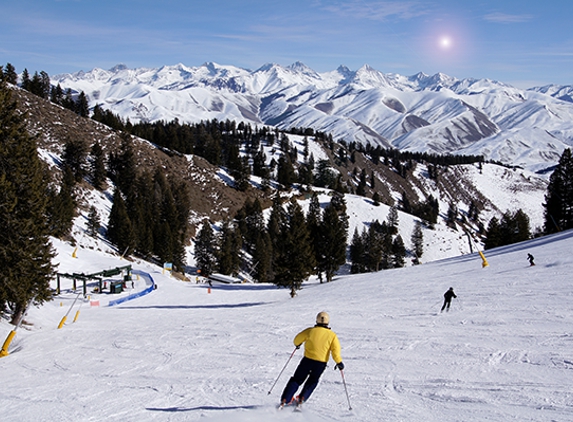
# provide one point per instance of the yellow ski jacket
(319, 344)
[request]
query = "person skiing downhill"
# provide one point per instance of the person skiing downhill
(448, 299)
(530, 259)
(319, 343)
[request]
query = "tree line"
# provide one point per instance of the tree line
(285, 250)
(379, 246)
(39, 84)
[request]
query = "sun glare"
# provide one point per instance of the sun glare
(445, 42)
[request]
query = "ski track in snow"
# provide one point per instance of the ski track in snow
(503, 352)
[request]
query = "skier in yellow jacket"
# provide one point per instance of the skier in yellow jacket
(319, 344)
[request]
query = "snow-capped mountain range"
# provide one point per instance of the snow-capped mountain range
(435, 114)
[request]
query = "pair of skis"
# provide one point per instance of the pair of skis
(297, 406)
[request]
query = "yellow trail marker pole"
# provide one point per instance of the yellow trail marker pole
(12, 334)
(484, 261)
(62, 322)
(78, 311)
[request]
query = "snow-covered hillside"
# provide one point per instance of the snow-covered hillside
(186, 353)
(438, 113)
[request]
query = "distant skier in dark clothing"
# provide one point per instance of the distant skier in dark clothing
(448, 299)
(320, 343)
(530, 259)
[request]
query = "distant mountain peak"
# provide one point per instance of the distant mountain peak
(266, 67)
(299, 66)
(118, 68)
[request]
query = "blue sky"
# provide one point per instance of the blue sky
(524, 43)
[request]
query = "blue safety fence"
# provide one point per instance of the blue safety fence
(148, 279)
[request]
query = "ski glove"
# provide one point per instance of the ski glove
(339, 366)
(298, 347)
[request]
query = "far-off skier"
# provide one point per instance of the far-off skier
(530, 259)
(448, 299)
(320, 342)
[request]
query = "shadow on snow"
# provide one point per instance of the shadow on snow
(219, 306)
(190, 409)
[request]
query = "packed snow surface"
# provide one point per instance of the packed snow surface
(503, 352)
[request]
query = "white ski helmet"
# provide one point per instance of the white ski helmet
(322, 318)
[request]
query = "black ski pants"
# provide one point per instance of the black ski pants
(446, 304)
(309, 370)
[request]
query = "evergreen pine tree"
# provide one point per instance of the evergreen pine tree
(75, 158)
(93, 223)
(361, 188)
(45, 85)
(398, 252)
(333, 236)
(295, 260)
(205, 250)
(259, 164)
(161, 202)
(119, 228)
(262, 258)
(182, 198)
(62, 206)
(251, 222)
(229, 250)
(392, 219)
(313, 222)
(10, 74)
(387, 253)
(144, 212)
(324, 175)
(97, 167)
(242, 175)
(558, 214)
(372, 240)
(25, 82)
(123, 167)
(163, 242)
(417, 242)
(25, 250)
(406, 206)
(68, 100)
(81, 106)
(513, 228)
(36, 87)
(57, 95)
(523, 230)
(493, 234)
(277, 220)
(376, 199)
(357, 253)
(285, 171)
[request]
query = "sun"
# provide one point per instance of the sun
(445, 42)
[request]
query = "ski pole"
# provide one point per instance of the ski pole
(345, 389)
(284, 367)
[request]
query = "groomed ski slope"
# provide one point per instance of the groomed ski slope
(504, 352)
